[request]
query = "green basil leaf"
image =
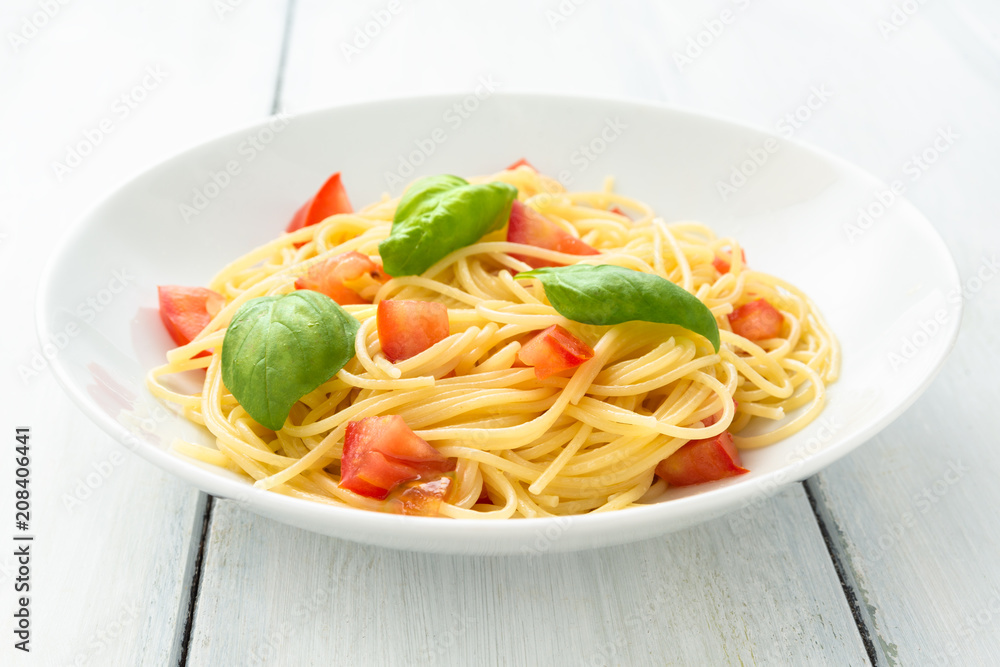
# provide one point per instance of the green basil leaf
(605, 294)
(438, 215)
(277, 349)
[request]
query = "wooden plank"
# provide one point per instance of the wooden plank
(729, 592)
(115, 537)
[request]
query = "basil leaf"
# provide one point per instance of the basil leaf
(607, 294)
(438, 215)
(279, 348)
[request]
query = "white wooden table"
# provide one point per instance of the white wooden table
(891, 556)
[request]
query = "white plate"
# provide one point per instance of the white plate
(885, 283)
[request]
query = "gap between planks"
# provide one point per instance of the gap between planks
(279, 81)
(848, 583)
(188, 605)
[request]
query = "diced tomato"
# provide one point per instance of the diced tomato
(185, 311)
(554, 350)
(341, 276)
(618, 210)
(382, 452)
(521, 163)
(722, 265)
(407, 328)
(756, 320)
(530, 227)
(330, 200)
(702, 461)
(421, 498)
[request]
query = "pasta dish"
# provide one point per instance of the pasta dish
(495, 347)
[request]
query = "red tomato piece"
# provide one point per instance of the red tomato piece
(421, 498)
(702, 461)
(407, 328)
(722, 265)
(382, 452)
(339, 277)
(330, 200)
(554, 350)
(521, 163)
(529, 227)
(618, 210)
(756, 320)
(185, 311)
(298, 220)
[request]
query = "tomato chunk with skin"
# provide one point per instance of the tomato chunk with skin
(382, 452)
(421, 498)
(339, 277)
(529, 227)
(331, 199)
(554, 350)
(701, 461)
(756, 320)
(521, 163)
(186, 311)
(407, 328)
(723, 266)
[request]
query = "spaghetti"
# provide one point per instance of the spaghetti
(583, 441)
